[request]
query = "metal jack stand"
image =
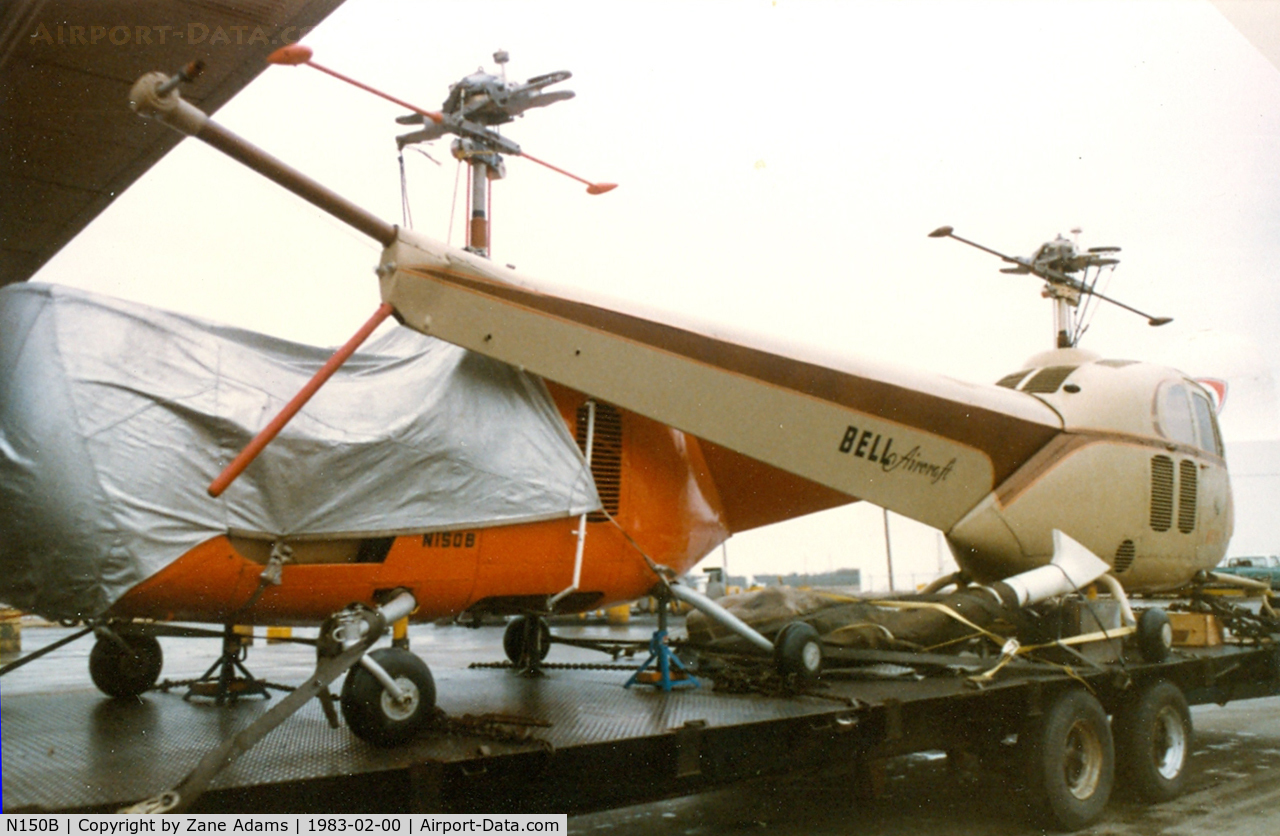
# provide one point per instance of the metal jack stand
(663, 657)
(229, 685)
(533, 647)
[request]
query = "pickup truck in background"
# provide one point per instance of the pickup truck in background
(1257, 567)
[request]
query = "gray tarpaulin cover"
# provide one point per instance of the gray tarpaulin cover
(114, 418)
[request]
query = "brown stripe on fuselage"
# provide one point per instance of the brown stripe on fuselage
(1008, 441)
(1070, 442)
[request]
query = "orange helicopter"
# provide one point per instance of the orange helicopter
(666, 499)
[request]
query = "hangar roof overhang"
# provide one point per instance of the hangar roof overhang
(70, 143)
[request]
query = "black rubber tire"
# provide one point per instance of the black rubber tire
(1155, 635)
(798, 650)
(1068, 762)
(124, 673)
(370, 712)
(1153, 736)
(513, 640)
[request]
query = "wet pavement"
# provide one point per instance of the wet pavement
(1234, 788)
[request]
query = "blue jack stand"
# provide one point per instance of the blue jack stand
(664, 658)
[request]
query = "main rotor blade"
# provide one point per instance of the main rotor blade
(271, 430)
(296, 54)
(1153, 321)
(947, 232)
(592, 188)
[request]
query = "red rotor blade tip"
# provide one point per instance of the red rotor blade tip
(601, 188)
(293, 54)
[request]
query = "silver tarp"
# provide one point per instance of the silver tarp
(114, 418)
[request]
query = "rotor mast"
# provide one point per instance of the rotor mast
(482, 168)
(477, 105)
(1066, 301)
(484, 165)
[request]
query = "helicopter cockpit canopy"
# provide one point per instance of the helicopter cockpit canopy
(1185, 414)
(1093, 393)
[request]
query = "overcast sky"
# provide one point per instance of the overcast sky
(780, 165)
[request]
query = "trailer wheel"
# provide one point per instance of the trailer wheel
(370, 711)
(1153, 742)
(519, 634)
(125, 671)
(1069, 761)
(798, 650)
(1155, 635)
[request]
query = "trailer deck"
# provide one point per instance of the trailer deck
(571, 741)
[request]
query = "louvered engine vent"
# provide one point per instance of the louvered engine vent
(606, 455)
(1186, 496)
(1161, 493)
(1011, 381)
(1124, 557)
(1047, 380)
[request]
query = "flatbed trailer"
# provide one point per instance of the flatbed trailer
(573, 740)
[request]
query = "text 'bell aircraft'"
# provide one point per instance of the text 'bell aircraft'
(579, 455)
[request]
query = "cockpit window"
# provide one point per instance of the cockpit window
(1173, 413)
(1185, 414)
(1206, 425)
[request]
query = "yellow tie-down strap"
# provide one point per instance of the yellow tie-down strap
(1010, 649)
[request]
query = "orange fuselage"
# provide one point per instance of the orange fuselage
(653, 480)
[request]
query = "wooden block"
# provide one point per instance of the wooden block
(1194, 629)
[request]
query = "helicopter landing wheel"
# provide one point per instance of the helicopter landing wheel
(373, 714)
(798, 650)
(125, 665)
(527, 641)
(1155, 635)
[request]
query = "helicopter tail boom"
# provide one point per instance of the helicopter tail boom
(921, 445)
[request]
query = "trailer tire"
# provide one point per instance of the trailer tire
(1069, 761)
(798, 650)
(121, 672)
(1153, 736)
(517, 635)
(371, 713)
(1155, 635)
